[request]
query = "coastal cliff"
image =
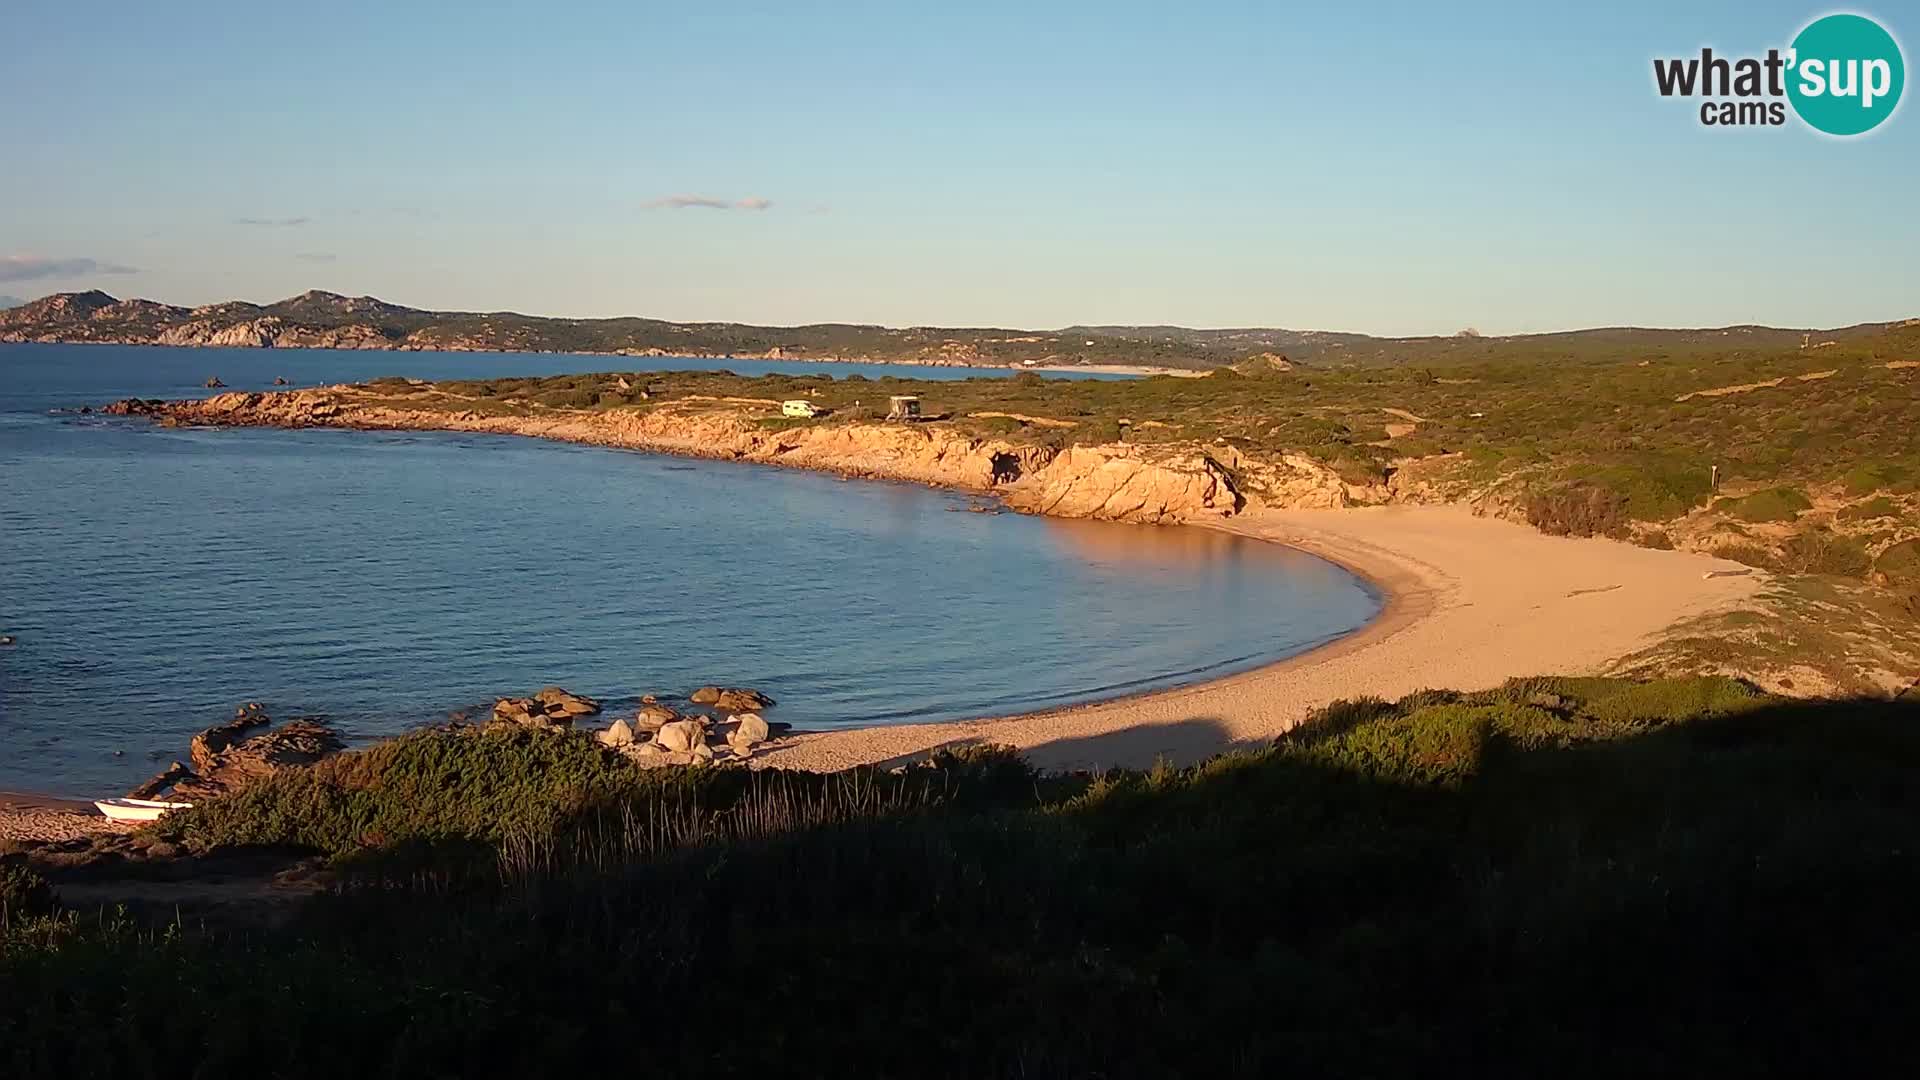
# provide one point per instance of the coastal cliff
(1147, 484)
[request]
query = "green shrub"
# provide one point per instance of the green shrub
(1773, 504)
(1580, 508)
(1871, 477)
(1656, 488)
(1820, 551)
(568, 399)
(1670, 701)
(998, 425)
(1358, 465)
(782, 423)
(1877, 507)
(23, 892)
(466, 783)
(1751, 554)
(1657, 539)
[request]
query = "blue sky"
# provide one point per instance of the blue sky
(1388, 168)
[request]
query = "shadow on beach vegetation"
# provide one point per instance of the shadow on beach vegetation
(1577, 875)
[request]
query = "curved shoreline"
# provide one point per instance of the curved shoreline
(1470, 602)
(1463, 598)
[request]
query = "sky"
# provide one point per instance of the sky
(1384, 168)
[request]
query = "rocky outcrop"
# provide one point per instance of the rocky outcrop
(659, 736)
(730, 698)
(229, 756)
(749, 731)
(653, 716)
(1296, 481)
(254, 334)
(550, 708)
(1121, 483)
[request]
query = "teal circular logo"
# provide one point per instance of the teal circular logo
(1845, 74)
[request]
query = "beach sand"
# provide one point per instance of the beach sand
(47, 818)
(1471, 602)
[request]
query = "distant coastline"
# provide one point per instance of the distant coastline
(1142, 370)
(324, 320)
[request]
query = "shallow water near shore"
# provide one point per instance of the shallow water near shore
(155, 578)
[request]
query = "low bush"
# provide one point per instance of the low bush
(1581, 508)
(1821, 551)
(1657, 539)
(569, 399)
(1750, 554)
(1865, 479)
(1656, 488)
(1772, 505)
(23, 892)
(997, 425)
(1871, 510)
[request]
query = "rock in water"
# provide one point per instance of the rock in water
(552, 707)
(517, 711)
(652, 717)
(213, 383)
(620, 733)
(558, 702)
(174, 774)
(207, 746)
(226, 762)
(731, 698)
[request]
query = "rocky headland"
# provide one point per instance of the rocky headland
(1161, 483)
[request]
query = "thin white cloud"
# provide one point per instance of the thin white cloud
(315, 256)
(708, 202)
(273, 223)
(39, 267)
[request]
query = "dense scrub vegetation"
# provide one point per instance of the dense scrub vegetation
(1566, 876)
(1623, 421)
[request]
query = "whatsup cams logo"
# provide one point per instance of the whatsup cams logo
(1842, 75)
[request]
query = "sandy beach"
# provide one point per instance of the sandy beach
(1471, 602)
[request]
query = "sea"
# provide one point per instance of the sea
(153, 579)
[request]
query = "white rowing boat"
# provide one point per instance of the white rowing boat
(137, 809)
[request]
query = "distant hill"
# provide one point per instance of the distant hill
(10, 302)
(330, 321)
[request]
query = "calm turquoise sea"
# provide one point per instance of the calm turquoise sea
(156, 578)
